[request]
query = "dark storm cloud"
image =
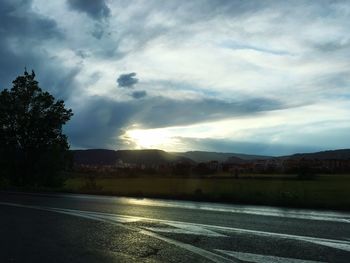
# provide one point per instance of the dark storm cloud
(100, 121)
(98, 31)
(96, 9)
(18, 20)
(127, 80)
(163, 112)
(22, 32)
(60, 85)
(139, 94)
(30, 39)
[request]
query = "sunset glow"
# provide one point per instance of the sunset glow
(205, 75)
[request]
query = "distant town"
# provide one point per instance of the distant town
(129, 162)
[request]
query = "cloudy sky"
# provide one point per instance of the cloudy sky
(262, 77)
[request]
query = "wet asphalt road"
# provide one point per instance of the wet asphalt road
(82, 228)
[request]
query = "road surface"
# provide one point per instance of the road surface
(85, 228)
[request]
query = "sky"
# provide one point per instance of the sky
(256, 77)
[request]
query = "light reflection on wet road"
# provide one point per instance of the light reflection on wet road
(178, 231)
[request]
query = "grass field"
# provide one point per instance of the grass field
(328, 191)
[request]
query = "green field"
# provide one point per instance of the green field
(328, 191)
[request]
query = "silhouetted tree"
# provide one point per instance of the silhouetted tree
(33, 148)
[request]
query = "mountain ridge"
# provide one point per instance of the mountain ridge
(340, 154)
(203, 156)
(110, 157)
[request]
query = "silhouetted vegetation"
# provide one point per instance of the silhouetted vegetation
(155, 162)
(305, 170)
(33, 148)
(326, 191)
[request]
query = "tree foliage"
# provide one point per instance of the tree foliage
(33, 147)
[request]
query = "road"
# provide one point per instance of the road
(86, 228)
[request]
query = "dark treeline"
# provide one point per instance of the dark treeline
(303, 168)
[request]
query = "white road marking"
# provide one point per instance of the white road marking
(196, 250)
(120, 218)
(190, 227)
(341, 246)
(263, 258)
(193, 227)
(333, 243)
(177, 227)
(341, 217)
(185, 229)
(196, 229)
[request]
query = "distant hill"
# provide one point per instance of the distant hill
(94, 157)
(342, 154)
(200, 156)
(110, 157)
(148, 157)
